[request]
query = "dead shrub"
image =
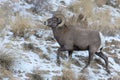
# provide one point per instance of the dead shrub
(4, 73)
(68, 75)
(1, 23)
(117, 77)
(40, 53)
(101, 22)
(56, 78)
(37, 74)
(114, 3)
(6, 58)
(21, 25)
(94, 18)
(79, 20)
(74, 7)
(82, 77)
(82, 7)
(5, 13)
(67, 64)
(40, 6)
(36, 71)
(45, 56)
(100, 3)
(28, 46)
(76, 62)
(28, 1)
(34, 76)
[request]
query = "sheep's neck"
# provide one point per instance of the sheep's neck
(59, 32)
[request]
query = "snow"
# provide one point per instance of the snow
(114, 65)
(27, 60)
(117, 37)
(2, 1)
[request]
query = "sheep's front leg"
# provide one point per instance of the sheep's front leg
(58, 55)
(70, 55)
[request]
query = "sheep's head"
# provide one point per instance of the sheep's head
(57, 20)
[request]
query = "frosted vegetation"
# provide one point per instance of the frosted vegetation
(28, 49)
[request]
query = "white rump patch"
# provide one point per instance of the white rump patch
(102, 41)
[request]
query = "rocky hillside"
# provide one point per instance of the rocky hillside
(28, 48)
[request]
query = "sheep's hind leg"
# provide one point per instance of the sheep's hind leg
(105, 58)
(91, 53)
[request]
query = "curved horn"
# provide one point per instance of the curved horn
(61, 16)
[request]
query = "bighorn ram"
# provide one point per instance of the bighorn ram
(73, 38)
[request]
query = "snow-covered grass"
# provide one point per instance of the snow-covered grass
(20, 25)
(29, 61)
(37, 53)
(104, 18)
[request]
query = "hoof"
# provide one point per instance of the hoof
(108, 71)
(83, 70)
(58, 62)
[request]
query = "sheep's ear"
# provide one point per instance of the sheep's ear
(59, 20)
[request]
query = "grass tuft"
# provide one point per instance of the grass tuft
(94, 17)
(20, 25)
(6, 59)
(5, 13)
(68, 75)
(34, 76)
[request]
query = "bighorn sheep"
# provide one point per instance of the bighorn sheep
(73, 38)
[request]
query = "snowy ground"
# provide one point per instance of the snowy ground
(29, 60)
(41, 57)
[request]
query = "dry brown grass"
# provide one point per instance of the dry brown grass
(6, 58)
(118, 1)
(67, 64)
(117, 77)
(21, 25)
(74, 7)
(4, 73)
(24, 26)
(104, 22)
(100, 2)
(112, 45)
(78, 19)
(37, 74)
(5, 13)
(40, 53)
(100, 19)
(40, 6)
(68, 75)
(56, 78)
(83, 6)
(1, 24)
(34, 76)
(82, 77)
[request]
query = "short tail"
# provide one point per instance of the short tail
(102, 44)
(101, 49)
